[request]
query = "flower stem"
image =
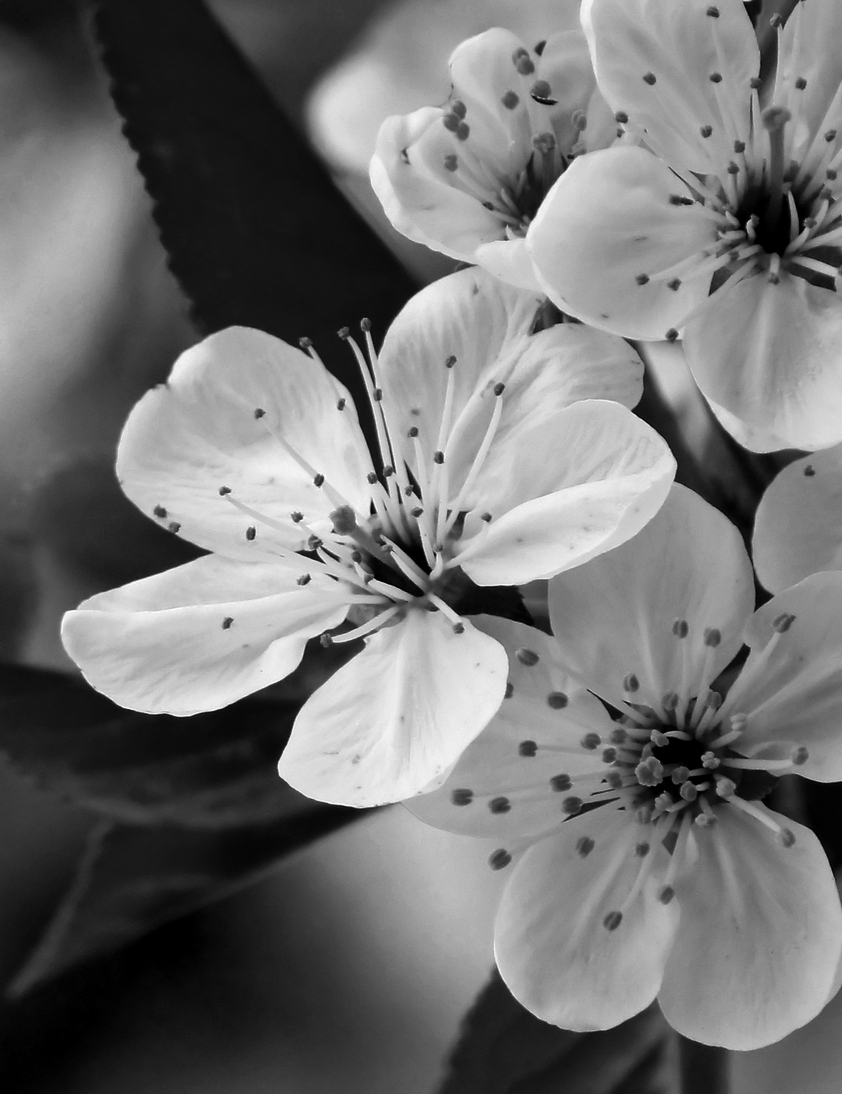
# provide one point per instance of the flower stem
(705, 1069)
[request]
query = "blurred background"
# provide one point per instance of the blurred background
(347, 970)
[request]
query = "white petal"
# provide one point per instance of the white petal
(198, 432)
(615, 615)
(572, 486)
(394, 719)
(804, 53)
(535, 736)
(798, 528)
(770, 355)
(759, 937)
(754, 438)
(552, 947)
(654, 59)
(791, 684)
(418, 194)
(200, 636)
(607, 221)
(509, 260)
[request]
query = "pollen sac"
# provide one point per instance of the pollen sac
(499, 859)
(783, 622)
(344, 520)
(500, 805)
(527, 748)
(666, 894)
(612, 921)
(559, 783)
(650, 772)
(527, 657)
(713, 636)
(680, 628)
(630, 682)
(591, 741)
(571, 806)
(557, 700)
(800, 755)
(785, 837)
(584, 846)
(462, 796)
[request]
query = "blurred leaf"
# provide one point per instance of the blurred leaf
(211, 771)
(256, 231)
(18, 592)
(503, 1049)
(134, 879)
(80, 511)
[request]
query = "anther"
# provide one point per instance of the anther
(371, 478)
(612, 921)
(160, 512)
(650, 772)
(259, 412)
(609, 755)
(499, 389)
(614, 780)
(296, 517)
(591, 741)
(666, 894)
(713, 636)
(412, 431)
(680, 199)
(671, 335)
(226, 622)
(572, 806)
(800, 83)
(584, 846)
(344, 520)
(705, 130)
(438, 457)
(417, 512)
(313, 542)
(462, 796)
(680, 775)
(527, 748)
(710, 761)
(486, 517)
(451, 123)
(688, 791)
(649, 78)
(223, 490)
(675, 284)
(739, 147)
(341, 404)
(776, 20)
(343, 333)
(523, 62)
(560, 783)
(319, 479)
(499, 859)
(704, 820)
(725, 787)
(642, 279)
(755, 83)
(527, 657)
(618, 736)
(510, 690)
(510, 100)
(450, 361)
(783, 622)
(830, 135)
(775, 118)
(669, 701)
(630, 682)
(305, 343)
(305, 579)
(659, 739)
(544, 143)
(326, 640)
(641, 850)
(174, 527)
(713, 12)
(458, 628)
(715, 77)
(800, 755)
(500, 805)
(458, 108)
(785, 837)
(557, 700)
(621, 117)
(680, 628)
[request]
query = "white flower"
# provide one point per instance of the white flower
(798, 529)
(467, 178)
(727, 227)
(489, 470)
(647, 865)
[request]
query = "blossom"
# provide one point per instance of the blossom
(798, 528)
(726, 227)
(493, 465)
(646, 864)
(467, 178)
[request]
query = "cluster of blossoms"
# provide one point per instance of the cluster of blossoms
(640, 178)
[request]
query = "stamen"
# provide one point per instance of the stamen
(366, 628)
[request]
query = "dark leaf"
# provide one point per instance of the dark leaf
(134, 879)
(503, 1049)
(256, 232)
(212, 771)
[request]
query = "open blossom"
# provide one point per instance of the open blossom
(798, 529)
(647, 865)
(726, 228)
(467, 178)
(494, 464)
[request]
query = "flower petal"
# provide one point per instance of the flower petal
(654, 59)
(199, 636)
(417, 192)
(503, 783)
(578, 483)
(770, 355)
(615, 614)
(509, 260)
(759, 937)
(485, 325)
(791, 684)
(608, 221)
(804, 54)
(198, 432)
(798, 529)
(552, 946)
(394, 719)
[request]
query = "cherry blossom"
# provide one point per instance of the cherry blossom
(498, 459)
(798, 529)
(725, 227)
(644, 863)
(467, 178)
